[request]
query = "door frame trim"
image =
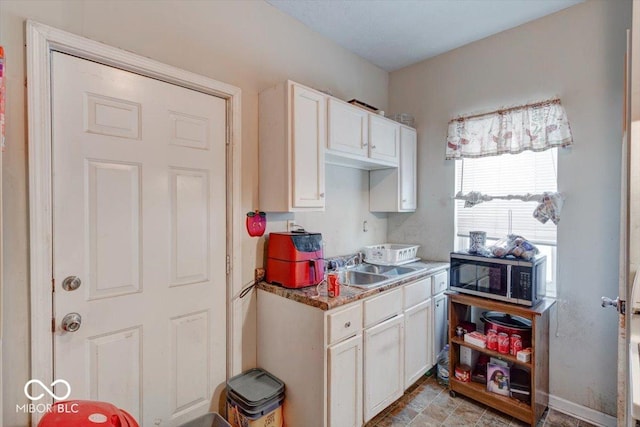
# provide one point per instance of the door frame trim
(42, 40)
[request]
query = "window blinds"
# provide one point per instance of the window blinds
(526, 172)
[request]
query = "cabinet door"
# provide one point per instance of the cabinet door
(308, 130)
(439, 324)
(348, 128)
(407, 168)
(345, 383)
(383, 365)
(384, 136)
(417, 342)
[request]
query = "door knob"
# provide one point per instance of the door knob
(71, 283)
(617, 303)
(71, 322)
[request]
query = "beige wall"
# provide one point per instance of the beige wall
(248, 44)
(578, 55)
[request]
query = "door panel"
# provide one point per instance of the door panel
(189, 226)
(384, 138)
(408, 168)
(383, 365)
(114, 201)
(114, 368)
(348, 128)
(309, 138)
(345, 383)
(190, 354)
(139, 215)
(417, 341)
(439, 324)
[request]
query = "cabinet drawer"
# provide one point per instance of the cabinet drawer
(415, 293)
(344, 323)
(440, 282)
(382, 307)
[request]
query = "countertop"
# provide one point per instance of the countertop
(316, 296)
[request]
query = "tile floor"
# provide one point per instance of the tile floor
(428, 404)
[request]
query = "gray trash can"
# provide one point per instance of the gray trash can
(211, 419)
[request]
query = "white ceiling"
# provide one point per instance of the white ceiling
(395, 33)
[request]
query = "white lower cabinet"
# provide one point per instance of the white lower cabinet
(342, 367)
(417, 342)
(383, 365)
(439, 324)
(345, 383)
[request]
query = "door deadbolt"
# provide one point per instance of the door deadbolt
(71, 283)
(71, 322)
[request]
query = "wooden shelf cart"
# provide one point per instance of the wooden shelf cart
(538, 367)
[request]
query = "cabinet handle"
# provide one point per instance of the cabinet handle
(365, 145)
(322, 195)
(373, 147)
(404, 200)
(348, 324)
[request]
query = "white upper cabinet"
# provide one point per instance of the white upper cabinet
(408, 168)
(353, 133)
(348, 128)
(300, 129)
(292, 139)
(384, 139)
(395, 190)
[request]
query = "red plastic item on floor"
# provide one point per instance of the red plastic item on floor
(84, 413)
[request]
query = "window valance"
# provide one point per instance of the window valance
(535, 127)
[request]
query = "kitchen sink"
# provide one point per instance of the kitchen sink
(387, 270)
(358, 278)
(371, 276)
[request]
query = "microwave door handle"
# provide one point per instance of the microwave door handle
(508, 281)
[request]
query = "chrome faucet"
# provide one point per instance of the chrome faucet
(340, 263)
(354, 259)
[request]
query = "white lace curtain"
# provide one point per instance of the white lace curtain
(535, 127)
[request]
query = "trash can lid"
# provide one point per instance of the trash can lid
(83, 413)
(255, 385)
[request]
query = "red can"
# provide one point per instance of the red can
(503, 343)
(516, 344)
(333, 286)
(492, 340)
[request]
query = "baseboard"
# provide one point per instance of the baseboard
(582, 412)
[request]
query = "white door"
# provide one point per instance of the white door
(345, 383)
(629, 281)
(309, 121)
(139, 218)
(348, 128)
(383, 365)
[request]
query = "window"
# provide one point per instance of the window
(508, 174)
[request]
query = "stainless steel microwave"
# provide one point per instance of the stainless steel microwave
(513, 280)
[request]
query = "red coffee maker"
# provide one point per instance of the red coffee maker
(295, 260)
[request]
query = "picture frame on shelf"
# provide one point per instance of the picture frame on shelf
(498, 379)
